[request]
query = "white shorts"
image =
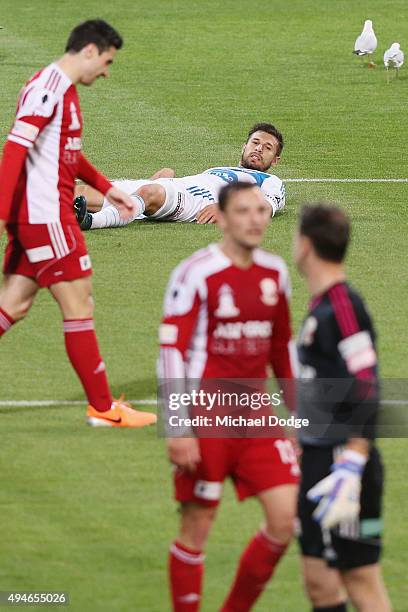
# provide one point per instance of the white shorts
(180, 204)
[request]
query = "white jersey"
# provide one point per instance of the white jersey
(187, 196)
(207, 185)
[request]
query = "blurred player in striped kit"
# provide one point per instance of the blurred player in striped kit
(342, 476)
(226, 316)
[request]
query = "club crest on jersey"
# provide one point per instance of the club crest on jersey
(269, 291)
(226, 305)
(75, 123)
(308, 331)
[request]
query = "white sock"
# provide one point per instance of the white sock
(109, 216)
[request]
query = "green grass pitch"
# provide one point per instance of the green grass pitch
(90, 512)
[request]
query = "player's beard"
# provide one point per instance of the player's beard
(246, 163)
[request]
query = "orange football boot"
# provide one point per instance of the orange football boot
(121, 414)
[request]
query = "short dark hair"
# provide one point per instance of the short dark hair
(94, 31)
(231, 189)
(269, 129)
(328, 228)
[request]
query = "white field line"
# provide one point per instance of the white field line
(140, 402)
(345, 180)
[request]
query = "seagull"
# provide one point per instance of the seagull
(366, 43)
(393, 58)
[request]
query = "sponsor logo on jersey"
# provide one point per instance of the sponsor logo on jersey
(243, 329)
(269, 291)
(75, 123)
(74, 143)
(226, 306)
(229, 176)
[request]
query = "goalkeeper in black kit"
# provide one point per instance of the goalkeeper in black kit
(342, 476)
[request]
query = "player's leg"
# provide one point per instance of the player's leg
(17, 295)
(186, 558)
(76, 303)
(356, 547)
(109, 216)
(264, 551)
(359, 550)
(154, 196)
(199, 494)
(179, 203)
(94, 198)
(323, 585)
(366, 589)
(19, 285)
(157, 200)
(268, 469)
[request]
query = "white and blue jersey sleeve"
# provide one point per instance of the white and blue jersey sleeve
(274, 192)
(271, 186)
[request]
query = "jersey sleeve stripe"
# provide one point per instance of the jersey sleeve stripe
(20, 140)
(192, 262)
(343, 310)
(55, 85)
(24, 96)
(50, 80)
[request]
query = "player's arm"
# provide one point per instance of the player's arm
(33, 114)
(339, 493)
(283, 352)
(181, 307)
(274, 192)
(14, 156)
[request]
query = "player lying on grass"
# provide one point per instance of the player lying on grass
(192, 198)
(342, 476)
(226, 315)
(41, 159)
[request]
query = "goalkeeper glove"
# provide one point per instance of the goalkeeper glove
(339, 493)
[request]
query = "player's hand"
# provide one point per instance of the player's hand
(339, 494)
(295, 444)
(122, 201)
(184, 452)
(207, 215)
(2, 226)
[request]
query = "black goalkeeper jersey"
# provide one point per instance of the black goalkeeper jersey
(338, 387)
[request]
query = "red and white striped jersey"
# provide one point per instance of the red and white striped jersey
(222, 321)
(48, 122)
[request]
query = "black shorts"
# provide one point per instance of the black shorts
(349, 545)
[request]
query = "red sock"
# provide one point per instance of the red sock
(83, 352)
(186, 569)
(256, 566)
(5, 322)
